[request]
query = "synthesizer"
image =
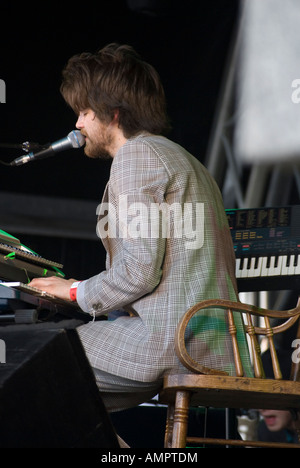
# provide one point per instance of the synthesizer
(266, 243)
(19, 263)
(19, 302)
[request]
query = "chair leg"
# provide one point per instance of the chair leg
(169, 426)
(181, 414)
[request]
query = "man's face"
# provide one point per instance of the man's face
(98, 135)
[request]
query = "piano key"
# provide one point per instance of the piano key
(245, 268)
(264, 266)
(238, 272)
(297, 267)
(291, 269)
(275, 266)
(252, 267)
(285, 265)
(255, 267)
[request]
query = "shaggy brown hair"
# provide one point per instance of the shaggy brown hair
(116, 79)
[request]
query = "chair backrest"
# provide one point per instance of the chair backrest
(287, 319)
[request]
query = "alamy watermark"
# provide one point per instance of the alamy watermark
(296, 353)
(154, 220)
(2, 92)
(296, 93)
(2, 352)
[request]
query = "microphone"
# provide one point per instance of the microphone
(73, 140)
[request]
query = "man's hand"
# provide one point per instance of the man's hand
(54, 285)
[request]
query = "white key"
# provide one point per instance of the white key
(251, 267)
(275, 270)
(254, 271)
(264, 268)
(284, 266)
(238, 271)
(245, 268)
(291, 269)
(297, 268)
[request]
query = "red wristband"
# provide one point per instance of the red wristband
(73, 291)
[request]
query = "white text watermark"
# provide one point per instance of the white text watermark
(296, 93)
(2, 92)
(2, 352)
(296, 353)
(156, 220)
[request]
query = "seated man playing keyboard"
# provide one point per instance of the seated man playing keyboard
(164, 228)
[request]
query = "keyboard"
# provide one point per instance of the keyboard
(18, 263)
(35, 292)
(266, 243)
(21, 303)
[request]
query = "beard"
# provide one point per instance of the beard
(97, 146)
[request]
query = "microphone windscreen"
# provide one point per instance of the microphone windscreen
(76, 138)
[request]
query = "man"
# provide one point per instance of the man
(164, 228)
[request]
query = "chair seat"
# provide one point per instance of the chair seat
(234, 392)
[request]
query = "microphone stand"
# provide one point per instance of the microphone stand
(27, 146)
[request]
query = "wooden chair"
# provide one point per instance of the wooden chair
(203, 387)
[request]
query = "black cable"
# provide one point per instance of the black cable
(205, 424)
(5, 163)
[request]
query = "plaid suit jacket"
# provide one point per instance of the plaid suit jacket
(159, 274)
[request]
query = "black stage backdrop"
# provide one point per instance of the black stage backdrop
(187, 42)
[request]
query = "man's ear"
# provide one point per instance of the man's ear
(116, 116)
